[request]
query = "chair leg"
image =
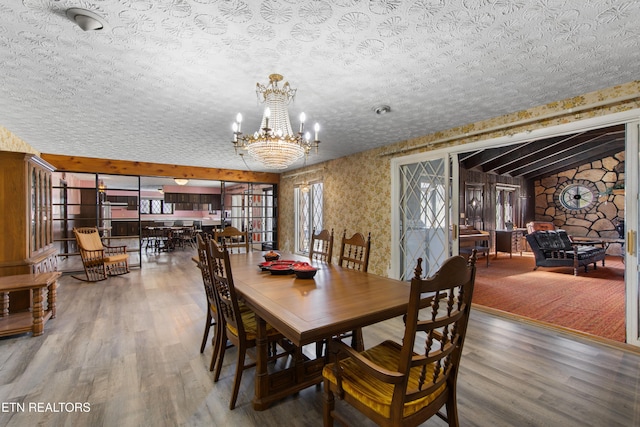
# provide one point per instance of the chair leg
(452, 413)
(222, 348)
(329, 405)
(239, 370)
(219, 341)
(207, 327)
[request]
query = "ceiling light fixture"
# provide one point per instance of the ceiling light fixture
(275, 145)
(382, 109)
(181, 181)
(86, 19)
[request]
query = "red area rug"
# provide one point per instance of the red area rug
(592, 302)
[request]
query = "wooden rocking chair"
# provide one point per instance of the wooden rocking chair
(99, 261)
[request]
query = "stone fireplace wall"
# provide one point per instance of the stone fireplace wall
(599, 221)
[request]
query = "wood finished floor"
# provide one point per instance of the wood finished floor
(129, 347)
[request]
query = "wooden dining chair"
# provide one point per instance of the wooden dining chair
(354, 254)
(188, 236)
(99, 261)
(391, 383)
(232, 238)
(204, 259)
(321, 248)
(354, 251)
(240, 325)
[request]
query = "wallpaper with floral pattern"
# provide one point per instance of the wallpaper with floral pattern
(10, 142)
(357, 188)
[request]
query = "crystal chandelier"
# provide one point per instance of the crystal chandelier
(275, 145)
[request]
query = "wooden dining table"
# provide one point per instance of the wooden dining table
(305, 311)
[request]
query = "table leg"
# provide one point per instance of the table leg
(262, 375)
(51, 299)
(38, 312)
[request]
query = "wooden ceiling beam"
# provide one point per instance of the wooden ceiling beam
(65, 163)
(578, 159)
(543, 153)
(546, 156)
(567, 153)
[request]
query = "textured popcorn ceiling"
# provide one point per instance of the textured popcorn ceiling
(164, 80)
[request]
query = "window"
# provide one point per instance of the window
(308, 214)
(155, 206)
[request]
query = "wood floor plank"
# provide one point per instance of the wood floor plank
(129, 348)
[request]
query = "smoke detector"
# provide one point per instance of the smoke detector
(86, 19)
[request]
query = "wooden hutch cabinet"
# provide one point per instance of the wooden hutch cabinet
(26, 221)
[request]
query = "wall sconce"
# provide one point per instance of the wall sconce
(181, 181)
(102, 188)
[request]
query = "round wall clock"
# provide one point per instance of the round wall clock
(577, 196)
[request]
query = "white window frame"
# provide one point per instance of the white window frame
(314, 219)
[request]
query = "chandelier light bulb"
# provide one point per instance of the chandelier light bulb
(303, 117)
(317, 129)
(267, 114)
(239, 121)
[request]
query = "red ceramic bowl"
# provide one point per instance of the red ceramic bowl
(304, 271)
(280, 269)
(271, 256)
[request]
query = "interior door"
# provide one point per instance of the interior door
(423, 226)
(474, 206)
(632, 223)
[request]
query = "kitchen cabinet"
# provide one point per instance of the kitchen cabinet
(192, 201)
(130, 201)
(125, 228)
